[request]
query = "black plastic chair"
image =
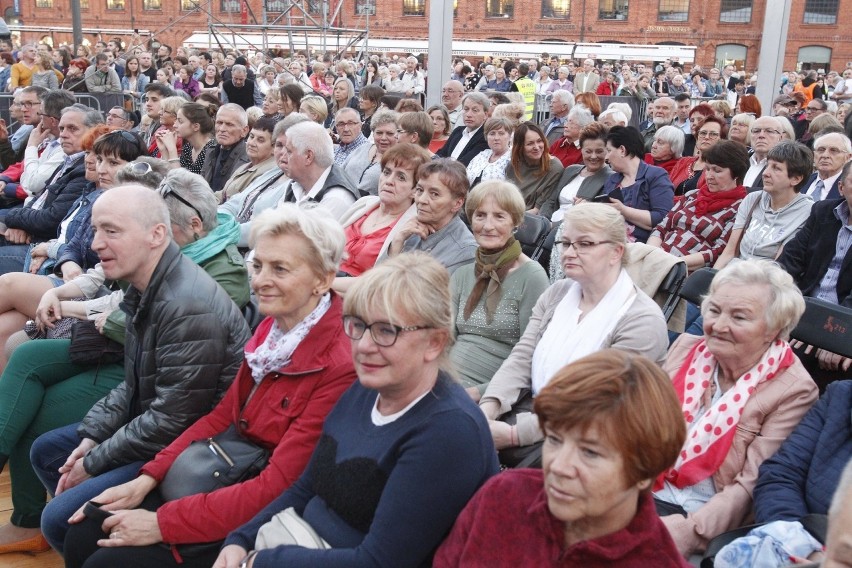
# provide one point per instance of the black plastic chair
(697, 285)
(826, 326)
(532, 234)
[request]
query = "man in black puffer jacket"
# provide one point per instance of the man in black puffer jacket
(184, 344)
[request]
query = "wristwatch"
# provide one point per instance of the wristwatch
(245, 561)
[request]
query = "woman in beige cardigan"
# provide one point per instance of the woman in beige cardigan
(597, 306)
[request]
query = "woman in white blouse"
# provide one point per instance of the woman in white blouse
(491, 163)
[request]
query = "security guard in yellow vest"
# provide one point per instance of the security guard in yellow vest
(526, 87)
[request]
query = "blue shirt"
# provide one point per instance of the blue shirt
(828, 285)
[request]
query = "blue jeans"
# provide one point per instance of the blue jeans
(694, 323)
(12, 257)
(49, 452)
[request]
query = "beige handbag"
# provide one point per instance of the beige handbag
(288, 528)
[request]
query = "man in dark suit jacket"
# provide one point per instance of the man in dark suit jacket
(831, 152)
(471, 136)
(816, 257)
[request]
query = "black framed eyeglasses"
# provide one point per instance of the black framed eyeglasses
(167, 190)
(384, 334)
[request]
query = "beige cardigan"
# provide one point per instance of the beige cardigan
(641, 330)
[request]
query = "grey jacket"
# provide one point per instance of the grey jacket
(590, 187)
(184, 344)
(235, 159)
(641, 330)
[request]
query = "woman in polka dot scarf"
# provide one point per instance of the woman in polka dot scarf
(742, 391)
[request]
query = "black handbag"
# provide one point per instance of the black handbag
(90, 347)
(210, 463)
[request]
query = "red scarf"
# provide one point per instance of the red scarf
(712, 432)
(709, 202)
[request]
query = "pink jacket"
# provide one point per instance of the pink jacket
(770, 414)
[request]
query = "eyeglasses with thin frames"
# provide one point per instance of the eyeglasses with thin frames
(166, 190)
(581, 247)
(384, 334)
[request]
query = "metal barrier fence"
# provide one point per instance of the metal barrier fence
(100, 101)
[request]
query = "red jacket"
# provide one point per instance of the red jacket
(606, 89)
(514, 502)
(566, 152)
(286, 414)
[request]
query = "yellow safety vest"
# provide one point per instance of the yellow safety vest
(526, 87)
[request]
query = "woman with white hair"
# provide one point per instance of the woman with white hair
(392, 83)
(561, 82)
(742, 391)
(666, 148)
(567, 148)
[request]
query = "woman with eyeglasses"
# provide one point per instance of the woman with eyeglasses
(688, 174)
(595, 307)
(370, 491)
(296, 367)
(193, 125)
(45, 401)
(768, 219)
(22, 391)
(740, 130)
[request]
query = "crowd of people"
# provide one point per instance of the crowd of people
(287, 266)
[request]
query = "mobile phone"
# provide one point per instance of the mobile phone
(93, 511)
(605, 197)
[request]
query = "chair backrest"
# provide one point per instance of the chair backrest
(826, 326)
(671, 285)
(697, 285)
(532, 234)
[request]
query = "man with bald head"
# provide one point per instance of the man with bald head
(451, 96)
(766, 133)
(183, 345)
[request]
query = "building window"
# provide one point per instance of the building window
(555, 8)
(365, 7)
(735, 11)
(152, 5)
(276, 6)
(115, 4)
(187, 5)
(230, 6)
(821, 12)
(499, 8)
(44, 3)
(674, 10)
(84, 4)
(413, 7)
(613, 9)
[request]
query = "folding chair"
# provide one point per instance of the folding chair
(532, 234)
(697, 285)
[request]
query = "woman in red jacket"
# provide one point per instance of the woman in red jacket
(297, 365)
(607, 87)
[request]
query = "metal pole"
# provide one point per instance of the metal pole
(440, 49)
(265, 39)
(76, 24)
(773, 45)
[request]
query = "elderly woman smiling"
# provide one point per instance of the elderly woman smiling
(440, 192)
(612, 424)
(493, 298)
(298, 360)
(596, 306)
(403, 450)
(742, 391)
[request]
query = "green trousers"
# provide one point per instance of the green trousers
(40, 390)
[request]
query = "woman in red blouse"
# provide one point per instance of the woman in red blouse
(697, 228)
(371, 221)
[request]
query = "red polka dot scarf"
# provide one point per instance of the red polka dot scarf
(708, 442)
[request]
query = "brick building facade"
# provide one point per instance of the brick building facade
(722, 30)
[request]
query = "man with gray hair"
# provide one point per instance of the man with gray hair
(766, 133)
(230, 151)
(348, 124)
(39, 219)
(308, 159)
(468, 140)
(587, 80)
(664, 115)
(241, 90)
(451, 96)
(831, 152)
(413, 81)
(44, 152)
(561, 103)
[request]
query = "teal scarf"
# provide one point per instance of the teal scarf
(227, 232)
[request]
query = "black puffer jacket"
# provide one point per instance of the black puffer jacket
(184, 344)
